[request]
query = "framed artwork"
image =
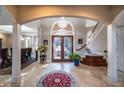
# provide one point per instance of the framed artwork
(80, 41)
(45, 42)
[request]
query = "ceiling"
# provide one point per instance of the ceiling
(49, 21)
(8, 29)
(5, 17)
(30, 27)
(6, 22)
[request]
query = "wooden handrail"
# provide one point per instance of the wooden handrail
(81, 47)
(94, 29)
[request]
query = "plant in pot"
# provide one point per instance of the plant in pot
(43, 50)
(75, 58)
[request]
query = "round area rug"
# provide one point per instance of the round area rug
(57, 79)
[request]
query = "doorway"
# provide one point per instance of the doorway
(62, 46)
(120, 49)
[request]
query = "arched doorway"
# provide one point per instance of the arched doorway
(62, 33)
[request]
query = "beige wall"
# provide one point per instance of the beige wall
(13, 9)
(115, 10)
(27, 13)
(9, 41)
(6, 40)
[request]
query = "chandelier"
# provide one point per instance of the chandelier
(62, 23)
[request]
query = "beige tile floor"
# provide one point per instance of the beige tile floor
(86, 76)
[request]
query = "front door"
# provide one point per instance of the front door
(62, 46)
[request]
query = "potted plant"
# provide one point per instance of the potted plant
(75, 58)
(42, 49)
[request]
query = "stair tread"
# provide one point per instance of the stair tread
(94, 60)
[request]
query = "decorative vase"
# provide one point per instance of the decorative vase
(76, 62)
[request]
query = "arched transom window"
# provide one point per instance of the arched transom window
(62, 27)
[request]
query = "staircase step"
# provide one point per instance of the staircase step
(88, 56)
(94, 60)
(94, 64)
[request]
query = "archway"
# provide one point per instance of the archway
(62, 34)
(99, 13)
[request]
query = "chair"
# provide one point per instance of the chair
(5, 58)
(24, 55)
(29, 51)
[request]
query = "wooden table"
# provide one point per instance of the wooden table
(42, 58)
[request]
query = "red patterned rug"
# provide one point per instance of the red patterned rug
(57, 79)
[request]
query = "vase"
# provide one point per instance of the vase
(76, 62)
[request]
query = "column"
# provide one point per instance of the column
(112, 53)
(39, 42)
(16, 55)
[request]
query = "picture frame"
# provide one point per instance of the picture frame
(45, 42)
(80, 41)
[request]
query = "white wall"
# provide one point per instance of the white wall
(120, 48)
(100, 42)
(6, 40)
(80, 33)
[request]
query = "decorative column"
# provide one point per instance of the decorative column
(112, 53)
(16, 55)
(39, 42)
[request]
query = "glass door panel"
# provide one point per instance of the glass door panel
(67, 47)
(56, 47)
(62, 46)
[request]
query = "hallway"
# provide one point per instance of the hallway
(86, 76)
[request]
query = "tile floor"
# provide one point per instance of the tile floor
(86, 76)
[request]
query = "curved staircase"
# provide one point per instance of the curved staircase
(92, 58)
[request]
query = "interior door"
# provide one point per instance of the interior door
(62, 46)
(121, 50)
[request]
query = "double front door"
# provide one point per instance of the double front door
(62, 46)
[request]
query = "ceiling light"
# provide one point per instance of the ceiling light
(62, 23)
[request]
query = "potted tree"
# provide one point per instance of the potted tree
(43, 50)
(75, 58)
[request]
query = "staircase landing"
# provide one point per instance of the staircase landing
(94, 60)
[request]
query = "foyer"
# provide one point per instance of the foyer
(92, 32)
(86, 76)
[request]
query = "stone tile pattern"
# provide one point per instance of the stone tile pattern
(86, 76)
